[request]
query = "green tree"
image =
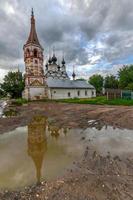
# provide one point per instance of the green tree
(125, 77)
(129, 87)
(13, 84)
(97, 81)
(111, 82)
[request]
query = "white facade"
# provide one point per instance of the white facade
(37, 93)
(62, 93)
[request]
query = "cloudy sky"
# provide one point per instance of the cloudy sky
(95, 35)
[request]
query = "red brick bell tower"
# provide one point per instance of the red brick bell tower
(33, 58)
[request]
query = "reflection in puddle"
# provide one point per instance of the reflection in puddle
(110, 139)
(37, 143)
(39, 151)
(42, 150)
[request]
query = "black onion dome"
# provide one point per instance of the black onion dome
(58, 67)
(54, 59)
(74, 75)
(46, 66)
(63, 62)
(50, 60)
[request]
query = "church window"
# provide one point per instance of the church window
(27, 52)
(54, 92)
(36, 62)
(92, 93)
(85, 93)
(78, 93)
(35, 53)
(69, 94)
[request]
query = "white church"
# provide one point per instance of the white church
(53, 82)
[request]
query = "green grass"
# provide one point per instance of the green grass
(95, 101)
(99, 101)
(19, 102)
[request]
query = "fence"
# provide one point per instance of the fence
(127, 94)
(119, 94)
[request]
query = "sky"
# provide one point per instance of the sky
(96, 36)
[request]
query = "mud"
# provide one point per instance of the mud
(70, 115)
(95, 176)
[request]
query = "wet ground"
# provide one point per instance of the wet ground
(70, 115)
(39, 151)
(88, 149)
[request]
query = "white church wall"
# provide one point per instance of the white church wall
(71, 93)
(36, 93)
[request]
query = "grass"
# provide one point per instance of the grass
(99, 101)
(95, 101)
(19, 102)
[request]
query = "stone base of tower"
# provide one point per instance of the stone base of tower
(35, 93)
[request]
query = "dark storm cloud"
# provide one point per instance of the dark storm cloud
(70, 26)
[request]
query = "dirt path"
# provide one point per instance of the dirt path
(71, 115)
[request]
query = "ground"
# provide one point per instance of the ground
(71, 115)
(94, 177)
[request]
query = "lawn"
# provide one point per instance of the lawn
(99, 101)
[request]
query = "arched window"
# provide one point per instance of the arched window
(35, 53)
(78, 93)
(86, 93)
(27, 53)
(36, 61)
(69, 94)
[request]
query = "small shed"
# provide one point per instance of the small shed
(113, 94)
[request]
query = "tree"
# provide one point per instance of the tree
(129, 87)
(97, 81)
(13, 84)
(111, 82)
(125, 76)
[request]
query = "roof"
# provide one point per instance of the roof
(67, 83)
(33, 39)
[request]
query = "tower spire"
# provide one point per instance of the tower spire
(53, 50)
(33, 39)
(32, 12)
(54, 59)
(73, 74)
(63, 60)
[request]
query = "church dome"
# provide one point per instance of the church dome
(54, 59)
(63, 62)
(50, 60)
(46, 66)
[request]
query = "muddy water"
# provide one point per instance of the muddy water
(39, 151)
(42, 151)
(108, 139)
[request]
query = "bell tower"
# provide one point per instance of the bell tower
(33, 58)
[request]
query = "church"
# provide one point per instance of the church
(52, 82)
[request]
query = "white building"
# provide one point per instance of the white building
(53, 83)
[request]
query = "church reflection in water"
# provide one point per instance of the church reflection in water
(38, 131)
(37, 142)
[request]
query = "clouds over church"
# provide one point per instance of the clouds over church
(52, 82)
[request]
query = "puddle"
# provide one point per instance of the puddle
(36, 152)
(42, 151)
(108, 139)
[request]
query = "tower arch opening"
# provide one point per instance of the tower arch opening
(27, 52)
(35, 53)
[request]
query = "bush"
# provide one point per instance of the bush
(19, 102)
